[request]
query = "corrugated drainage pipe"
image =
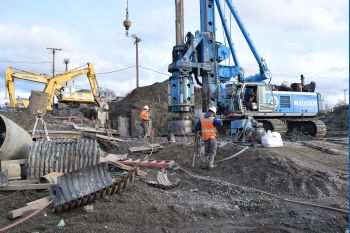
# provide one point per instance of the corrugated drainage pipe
(62, 155)
(15, 142)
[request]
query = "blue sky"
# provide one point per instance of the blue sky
(295, 37)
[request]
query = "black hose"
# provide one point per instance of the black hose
(197, 80)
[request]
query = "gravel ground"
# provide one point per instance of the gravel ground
(205, 206)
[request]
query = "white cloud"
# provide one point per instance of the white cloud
(157, 31)
(319, 16)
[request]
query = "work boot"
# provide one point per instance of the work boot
(211, 162)
(204, 162)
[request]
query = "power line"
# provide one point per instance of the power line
(26, 62)
(156, 71)
(114, 71)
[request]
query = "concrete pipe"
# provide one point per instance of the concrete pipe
(15, 142)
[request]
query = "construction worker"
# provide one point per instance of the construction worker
(145, 122)
(207, 126)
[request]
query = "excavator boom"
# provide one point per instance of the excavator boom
(56, 82)
(10, 77)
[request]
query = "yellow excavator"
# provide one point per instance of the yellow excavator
(54, 87)
(67, 94)
(10, 77)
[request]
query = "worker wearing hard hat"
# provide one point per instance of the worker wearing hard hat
(207, 126)
(145, 122)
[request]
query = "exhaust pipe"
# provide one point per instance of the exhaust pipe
(15, 142)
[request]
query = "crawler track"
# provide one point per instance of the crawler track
(313, 127)
(274, 125)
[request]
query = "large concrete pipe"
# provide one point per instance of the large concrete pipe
(15, 142)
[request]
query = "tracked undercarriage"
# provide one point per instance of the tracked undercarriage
(312, 126)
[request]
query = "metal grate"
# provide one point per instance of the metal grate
(285, 101)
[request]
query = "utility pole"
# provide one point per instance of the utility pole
(53, 60)
(136, 42)
(66, 62)
(344, 90)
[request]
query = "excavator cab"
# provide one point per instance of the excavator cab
(256, 97)
(70, 94)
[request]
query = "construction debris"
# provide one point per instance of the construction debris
(24, 185)
(57, 134)
(95, 130)
(191, 206)
(86, 185)
(34, 205)
(164, 164)
(146, 149)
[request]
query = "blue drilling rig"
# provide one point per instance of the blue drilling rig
(199, 58)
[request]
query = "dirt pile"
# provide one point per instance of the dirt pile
(268, 169)
(55, 119)
(26, 120)
(338, 120)
(156, 96)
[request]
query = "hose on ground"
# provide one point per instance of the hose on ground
(25, 218)
(233, 156)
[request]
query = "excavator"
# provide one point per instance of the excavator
(68, 94)
(54, 87)
(10, 77)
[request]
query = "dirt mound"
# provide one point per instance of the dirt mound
(26, 120)
(52, 118)
(264, 168)
(338, 120)
(156, 96)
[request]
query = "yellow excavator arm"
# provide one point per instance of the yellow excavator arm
(25, 75)
(56, 82)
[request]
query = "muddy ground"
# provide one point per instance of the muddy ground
(293, 171)
(231, 203)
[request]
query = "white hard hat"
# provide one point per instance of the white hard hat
(146, 107)
(213, 109)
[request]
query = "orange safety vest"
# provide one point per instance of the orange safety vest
(144, 116)
(207, 128)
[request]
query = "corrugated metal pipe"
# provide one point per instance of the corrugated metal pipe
(62, 156)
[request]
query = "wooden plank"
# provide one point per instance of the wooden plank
(95, 130)
(149, 148)
(115, 157)
(59, 134)
(41, 200)
(19, 161)
(15, 187)
(123, 166)
(109, 138)
(34, 205)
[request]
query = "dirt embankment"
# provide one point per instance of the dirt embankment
(268, 169)
(338, 120)
(156, 96)
(54, 119)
